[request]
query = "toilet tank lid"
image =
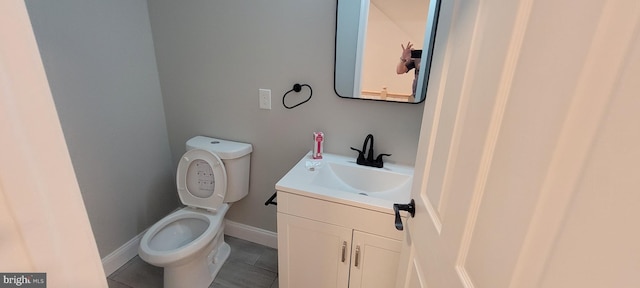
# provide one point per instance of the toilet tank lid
(225, 149)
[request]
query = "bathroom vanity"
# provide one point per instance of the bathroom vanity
(336, 223)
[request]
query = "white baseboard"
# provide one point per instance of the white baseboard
(126, 252)
(251, 234)
(122, 255)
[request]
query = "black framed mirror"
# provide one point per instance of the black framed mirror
(369, 59)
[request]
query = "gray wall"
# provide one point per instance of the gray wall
(99, 60)
(213, 56)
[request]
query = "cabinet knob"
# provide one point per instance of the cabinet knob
(344, 251)
(411, 208)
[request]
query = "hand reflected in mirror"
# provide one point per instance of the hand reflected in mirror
(406, 51)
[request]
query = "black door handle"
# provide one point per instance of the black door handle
(411, 208)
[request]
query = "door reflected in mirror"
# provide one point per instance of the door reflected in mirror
(371, 39)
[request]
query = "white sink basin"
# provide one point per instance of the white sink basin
(338, 178)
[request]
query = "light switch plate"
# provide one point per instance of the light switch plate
(265, 98)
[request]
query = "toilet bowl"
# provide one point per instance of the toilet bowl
(189, 243)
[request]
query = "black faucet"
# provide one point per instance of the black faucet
(369, 161)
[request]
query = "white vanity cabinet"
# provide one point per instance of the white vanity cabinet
(328, 244)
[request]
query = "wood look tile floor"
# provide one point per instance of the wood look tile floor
(250, 265)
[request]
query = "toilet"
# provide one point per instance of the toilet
(189, 243)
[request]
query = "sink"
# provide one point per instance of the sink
(338, 178)
(356, 178)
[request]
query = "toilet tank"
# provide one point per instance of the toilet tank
(235, 156)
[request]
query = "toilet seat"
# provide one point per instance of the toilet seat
(201, 180)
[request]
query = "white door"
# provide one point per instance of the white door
(528, 167)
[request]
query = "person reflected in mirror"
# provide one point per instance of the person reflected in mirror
(410, 59)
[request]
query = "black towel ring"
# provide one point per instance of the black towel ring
(297, 88)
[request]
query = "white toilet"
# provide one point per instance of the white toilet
(189, 243)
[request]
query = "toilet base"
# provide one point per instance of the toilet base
(220, 258)
(197, 274)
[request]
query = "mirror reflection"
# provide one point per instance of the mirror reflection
(379, 48)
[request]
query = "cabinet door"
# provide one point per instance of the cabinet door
(312, 254)
(374, 261)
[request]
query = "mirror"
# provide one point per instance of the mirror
(368, 52)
